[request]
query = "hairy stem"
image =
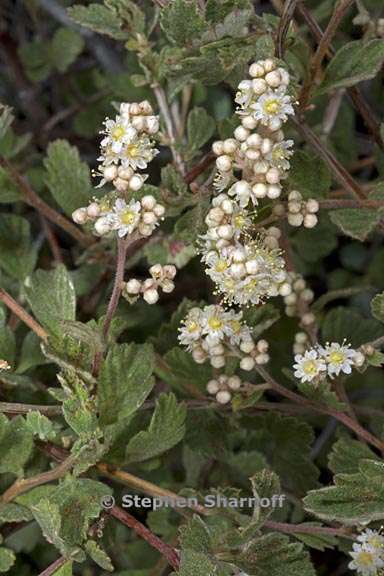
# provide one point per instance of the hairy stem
(52, 568)
(49, 213)
(143, 532)
(16, 408)
(308, 529)
(169, 125)
(23, 314)
(288, 10)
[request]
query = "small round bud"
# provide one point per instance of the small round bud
(273, 176)
(230, 146)
(80, 216)
(224, 163)
(247, 363)
(159, 210)
(218, 361)
(269, 65)
(273, 78)
(223, 397)
(310, 220)
(295, 219)
(149, 218)
(136, 182)
(273, 191)
(359, 359)
(301, 337)
(308, 319)
(312, 206)
(110, 172)
(285, 289)
(102, 226)
(218, 148)
(259, 86)
(259, 190)
(169, 271)
(249, 122)
(225, 231)
(234, 383)
(120, 184)
(151, 296)
(247, 346)
(256, 70)
(262, 346)
(213, 387)
(133, 286)
(295, 196)
(241, 134)
(125, 173)
(262, 359)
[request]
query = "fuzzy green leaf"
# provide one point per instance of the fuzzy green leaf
(345, 323)
(309, 175)
(98, 18)
(166, 429)
(65, 570)
(181, 371)
(18, 254)
(31, 354)
(7, 559)
(355, 222)
(68, 178)
(196, 564)
(15, 445)
(195, 535)
(346, 455)
(66, 45)
(51, 295)
(98, 555)
(181, 22)
(354, 62)
(201, 127)
(125, 381)
(265, 484)
(377, 307)
(354, 499)
(40, 426)
(7, 345)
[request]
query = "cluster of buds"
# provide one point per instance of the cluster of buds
(116, 215)
(297, 296)
(258, 147)
(223, 387)
(248, 270)
(125, 148)
(245, 270)
(215, 334)
(368, 553)
(4, 365)
(301, 343)
(302, 212)
(330, 360)
(161, 277)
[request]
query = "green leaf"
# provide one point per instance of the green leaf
(12, 512)
(98, 555)
(66, 45)
(18, 254)
(7, 345)
(31, 354)
(346, 455)
(286, 442)
(309, 175)
(192, 222)
(261, 319)
(51, 295)
(196, 564)
(16, 445)
(6, 119)
(7, 559)
(9, 192)
(68, 178)
(40, 426)
(166, 429)
(201, 127)
(125, 381)
(47, 515)
(355, 222)
(356, 498)
(100, 19)
(35, 57)
(65, 570)
(273, 553)
(355, 62)
(195, 535)
(181, 22)
(181, 371)
(265, 484)
(313, 244)
(340, 323)
(377, 307)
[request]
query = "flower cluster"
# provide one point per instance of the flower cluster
(302, 212)
(125, 148)
(216, 334)
(4, 365)
(223, 386)
(245, 269)
(332, 360)
(368, 553)
(161, 277)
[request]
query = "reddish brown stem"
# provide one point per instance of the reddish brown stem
(285, 20)
(36, 202)
(165, 550)
(308, 529)
(22, 314)
(199, 168)
(52, 568)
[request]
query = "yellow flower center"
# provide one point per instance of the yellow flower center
(272, 106)
(365, 558)
(215, 323)
(239, 221)
(132, 150)
(310, 367)
(118, 132)
(127, 217)
(236, 326)
(336, 357)
(375, 541)
(192, 326)
(278, 153)
(221, 266)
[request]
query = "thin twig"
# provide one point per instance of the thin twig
(23, 485)
(308, 529)
(52, 241)
(16, 408)
(284, 23)
(47, 211)
(168, 121)
(52, 568)
(143, 532)
(23, 314)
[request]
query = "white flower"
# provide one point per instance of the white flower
(271, 106)
(126, 216)
(309, 366)
(191, 330)
(214, 324)
(137, 153)
(339, 358)
(278, 156)
(366, 560)
(118, 132)
(373, 539)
